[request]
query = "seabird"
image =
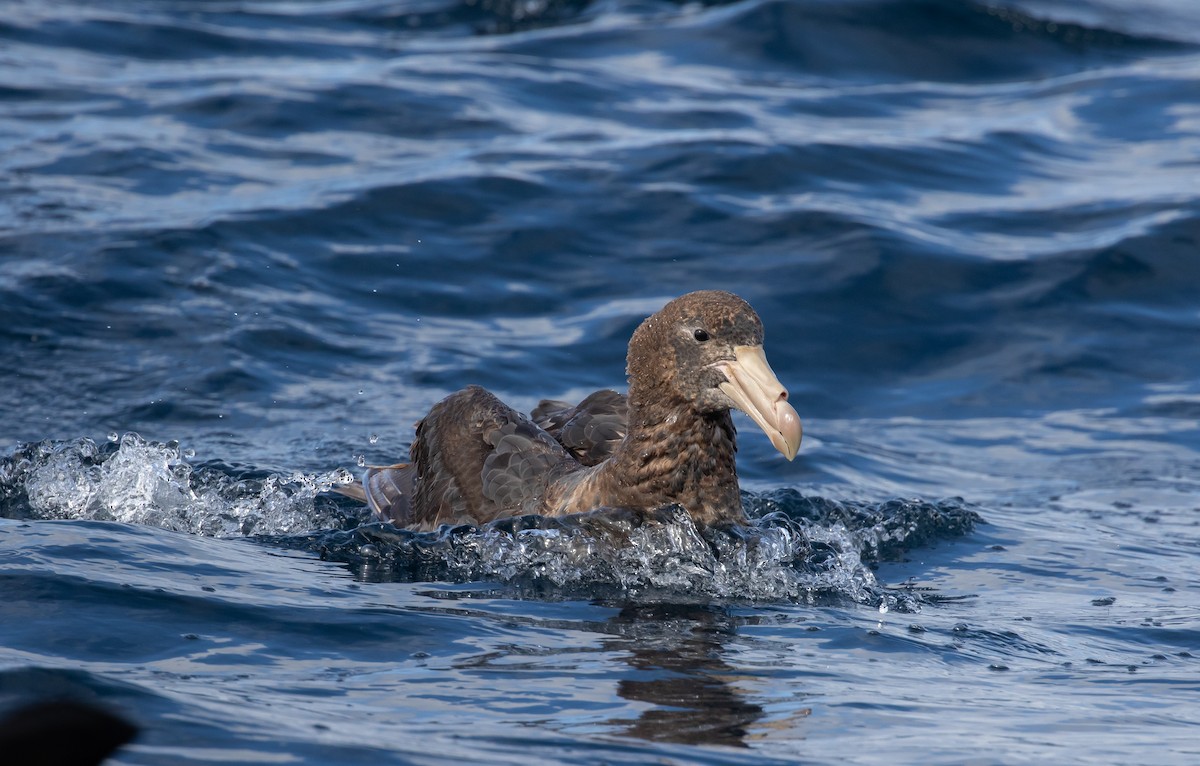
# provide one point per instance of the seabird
(671, 440)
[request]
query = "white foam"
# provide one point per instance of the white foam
(150, 483)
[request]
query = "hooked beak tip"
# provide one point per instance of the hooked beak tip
(790, 431)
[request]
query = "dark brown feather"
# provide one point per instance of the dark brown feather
(473, 459)
(591, 430)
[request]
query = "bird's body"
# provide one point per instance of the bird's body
(671, 440)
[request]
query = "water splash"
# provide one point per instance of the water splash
(608, 552)
(789, 554)
(881, 531)
(797, 547)
(135, 481)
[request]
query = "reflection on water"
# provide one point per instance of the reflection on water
(677, 655)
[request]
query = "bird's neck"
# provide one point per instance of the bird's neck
(674, 454)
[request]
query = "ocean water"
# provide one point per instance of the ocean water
(245, 245)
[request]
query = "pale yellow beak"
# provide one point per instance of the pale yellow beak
(756, 391)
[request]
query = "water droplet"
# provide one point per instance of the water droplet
(373, 438)
(361, 460)
(360, 392)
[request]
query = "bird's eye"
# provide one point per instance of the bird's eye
(700, 335)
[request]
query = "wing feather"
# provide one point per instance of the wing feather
(590, 430)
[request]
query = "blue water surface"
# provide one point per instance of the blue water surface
(244, 246)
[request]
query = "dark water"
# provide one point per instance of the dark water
(253, 242)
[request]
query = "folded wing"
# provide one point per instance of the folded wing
(590, 430)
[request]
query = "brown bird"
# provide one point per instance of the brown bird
(671, 440)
